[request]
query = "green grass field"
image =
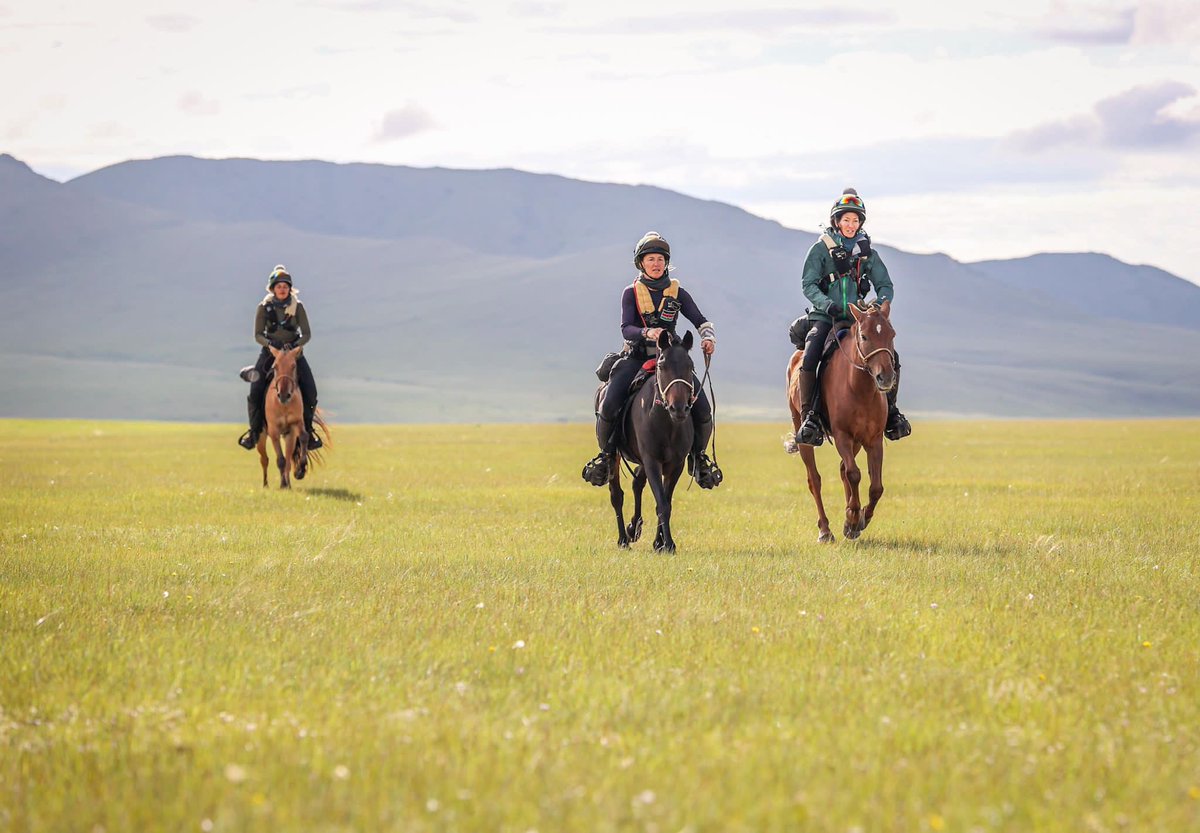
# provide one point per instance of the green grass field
(436, 631)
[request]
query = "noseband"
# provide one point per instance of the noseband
(865, 357)
(661, 398)
(280, 378)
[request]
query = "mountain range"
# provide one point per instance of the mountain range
(452, 295)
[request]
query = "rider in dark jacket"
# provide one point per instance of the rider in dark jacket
(650, 305)
(280, 321)
(841, 268)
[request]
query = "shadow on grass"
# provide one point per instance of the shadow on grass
(982, 548)
(337, 494)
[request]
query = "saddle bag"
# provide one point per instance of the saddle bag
(604, 369)
(799, 330)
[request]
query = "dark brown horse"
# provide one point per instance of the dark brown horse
(854, 388)
(284, 409)
(657, 437)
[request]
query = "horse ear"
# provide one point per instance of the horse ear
(299, 351)
(886, 309)
(664, 339)
(687, 340)
(855, 311)
(274, 351)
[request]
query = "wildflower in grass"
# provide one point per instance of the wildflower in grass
(432, 805)
(519, 644)
(234, 773)
(936, 822)
(341, 772)
(1146, 644)
(1194, 793)
(755, 629)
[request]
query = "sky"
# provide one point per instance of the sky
(980, 130)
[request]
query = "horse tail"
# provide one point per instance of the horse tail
(319, 424)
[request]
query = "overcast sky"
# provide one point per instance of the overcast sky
(986, 129)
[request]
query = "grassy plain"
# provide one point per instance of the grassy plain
(436, 631)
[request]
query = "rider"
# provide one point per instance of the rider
(279, 322)
(841, 268)
(651, 304)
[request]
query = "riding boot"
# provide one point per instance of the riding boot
(314, 440)
(897, 427)
(708, 475)
(811, 432)
(254, 415)
(598, 470)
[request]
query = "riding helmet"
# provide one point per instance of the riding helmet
(278, 274)
(848, 201)
(651, 243)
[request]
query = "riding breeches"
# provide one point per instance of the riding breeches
(814, 344)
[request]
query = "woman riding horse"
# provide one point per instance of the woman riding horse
(841, 268)
(279, 322)
(650, 306)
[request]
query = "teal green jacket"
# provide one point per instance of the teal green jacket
(843, 290)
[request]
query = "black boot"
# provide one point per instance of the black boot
(598, 470)
(897, 427)
(811, 432)
(707, 474)
(314, 441)
(254, 415)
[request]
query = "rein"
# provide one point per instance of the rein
(661, 397)
(866, 357)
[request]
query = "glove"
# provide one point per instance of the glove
(864, 247)
(835, 311)
(841, 260)
(278, 345)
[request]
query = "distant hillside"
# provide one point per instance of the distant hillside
(489, 295)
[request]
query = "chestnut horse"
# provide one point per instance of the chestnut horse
(657, 430)
(854, 388)
(284, 409)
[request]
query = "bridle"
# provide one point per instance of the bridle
(661, 397)
(290, 377)
(865, 357)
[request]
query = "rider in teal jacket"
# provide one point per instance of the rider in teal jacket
(841, 269)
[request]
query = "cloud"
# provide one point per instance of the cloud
(196, 104)
(409, 120)
(407, 7)
(1114, 26)
(754, 21)
(175, 23)
(1166, 21)
(1134, 119)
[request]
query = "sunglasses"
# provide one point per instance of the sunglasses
(850, 199)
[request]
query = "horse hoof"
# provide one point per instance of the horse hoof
(826, 538)
(623, 544)
(851, 533)
(668, 549)
(634, 530)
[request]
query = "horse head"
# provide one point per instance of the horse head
(873, 338)
(673, 375)
(285, 384)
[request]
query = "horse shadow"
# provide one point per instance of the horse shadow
(337, 494)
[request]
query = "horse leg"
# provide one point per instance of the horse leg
(262, 455)
(875, 472)
(662, 501)
(280, 461)
(809, 455)
(617, 497)
(634, 530)
(670, 478)
(300, 456)
(851, 477)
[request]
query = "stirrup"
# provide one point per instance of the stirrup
(810, 432)
(597, 470)
(707, 473)
(897, 426)
(248, 440)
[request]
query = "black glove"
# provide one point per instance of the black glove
(278, 345)
(841, 260)
(835, 311)
(864, 247)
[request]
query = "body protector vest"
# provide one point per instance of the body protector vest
(665, 315)
(275, 322)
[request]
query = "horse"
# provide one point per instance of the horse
(284, 408)
(853, 388)
(657, 429)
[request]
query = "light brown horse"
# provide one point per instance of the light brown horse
(284, 408)
(854, 389)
